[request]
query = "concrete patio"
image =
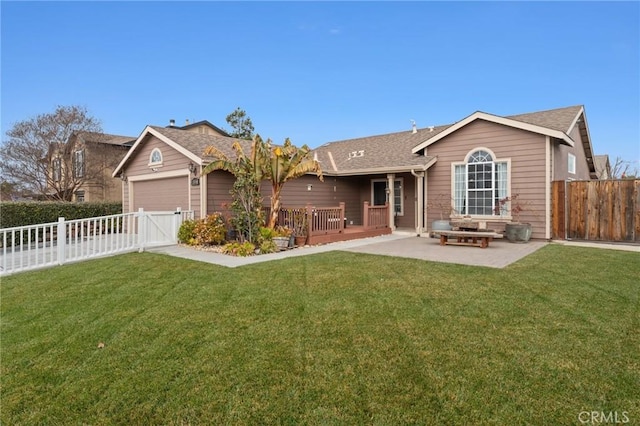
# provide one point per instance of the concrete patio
(498, 255)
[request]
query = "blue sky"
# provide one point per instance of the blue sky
(324, 71)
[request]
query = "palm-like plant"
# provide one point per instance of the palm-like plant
(285, 163)
(248, 171)
(278, 164)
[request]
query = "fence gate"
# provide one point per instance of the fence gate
(161, 228)
(607, 210)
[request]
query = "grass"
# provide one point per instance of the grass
(335, 338)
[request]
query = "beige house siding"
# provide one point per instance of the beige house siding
(561, 159)
(204, 130)
(219, 199)
(173, 163)
(329, 193)
(524, 150)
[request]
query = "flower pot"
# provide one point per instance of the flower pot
(518, 232)
(301, 240)
(281, 242)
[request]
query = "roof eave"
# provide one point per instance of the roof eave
(379, 170)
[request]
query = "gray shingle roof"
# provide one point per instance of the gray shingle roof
(393, 151)
(556, 119)
(106, 138)
(387, 152)
(196, 143)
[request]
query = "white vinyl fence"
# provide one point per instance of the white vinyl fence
(37, 246)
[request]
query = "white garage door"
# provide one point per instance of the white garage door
(161, 194)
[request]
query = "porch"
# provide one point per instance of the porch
(322, 225)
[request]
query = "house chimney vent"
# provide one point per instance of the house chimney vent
(431, 129)
(413, 127)
(186, 122)
(172, 122)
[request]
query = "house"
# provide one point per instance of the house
(603, 167)
(80, 169)
(475, 162)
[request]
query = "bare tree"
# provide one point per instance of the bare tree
(624, 169)
(40, 155)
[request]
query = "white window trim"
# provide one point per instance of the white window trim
(397, 179)
(571, 161)
(464, 163)
(155, 163)
(78, 166)
(57, 169)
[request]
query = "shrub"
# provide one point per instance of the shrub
(34, 213)
(208, 231)
(268, 246)
(239, 249)
(186, 232)
(267, 234)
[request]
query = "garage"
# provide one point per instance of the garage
(161, 194)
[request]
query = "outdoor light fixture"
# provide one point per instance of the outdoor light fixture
(123, 177)
(193, 168)
(309, 186)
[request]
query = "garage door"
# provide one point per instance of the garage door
(161, 194)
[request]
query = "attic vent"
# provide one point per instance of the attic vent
(355, 154)
(431, 128)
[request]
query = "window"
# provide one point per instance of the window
(80, 196)
(479, 183)
(379, 194)
(155, 159)
(397, 197)
(78, 164)
(571, 163)
(57, 169)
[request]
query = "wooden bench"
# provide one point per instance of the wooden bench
(468, 238)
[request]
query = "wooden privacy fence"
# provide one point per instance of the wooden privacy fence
(607, 210)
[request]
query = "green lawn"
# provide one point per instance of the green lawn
(336, 338)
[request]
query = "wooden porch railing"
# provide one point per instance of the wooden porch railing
(375, 216)
(330, 220)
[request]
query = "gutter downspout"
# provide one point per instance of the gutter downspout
(420, 188)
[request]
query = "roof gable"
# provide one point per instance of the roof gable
(546, 123)
(189, 144)
(204, 123)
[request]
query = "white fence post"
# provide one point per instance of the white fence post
(61, 239)
(177, 221)
(142, 229)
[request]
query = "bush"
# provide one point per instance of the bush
(186, 232)
(268, 246)
(208, 231)
(35, 213)
(239, 249)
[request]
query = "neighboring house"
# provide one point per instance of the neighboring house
(603, 167)
(81, 168)
(476, 162)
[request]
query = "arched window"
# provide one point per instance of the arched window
(479, 183)
(155, 159)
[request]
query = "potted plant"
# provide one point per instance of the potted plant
(300, 226)
(282, 236)
(443, 204)
(515, 231)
